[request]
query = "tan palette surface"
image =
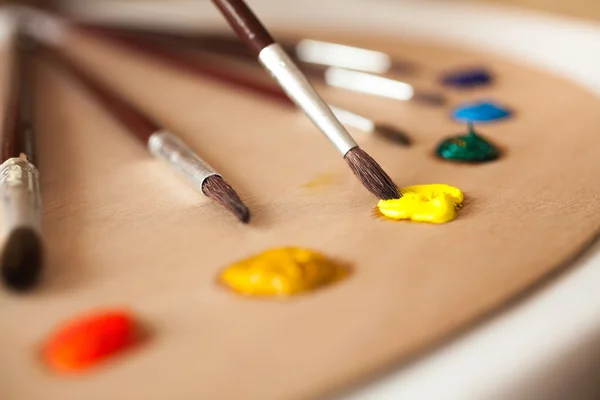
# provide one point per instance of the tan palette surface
(121, 229)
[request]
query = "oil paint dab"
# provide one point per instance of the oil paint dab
(282, 272)
(89, 340)
(468, 78)
(484, 111)
(470, 148)
(436, 204)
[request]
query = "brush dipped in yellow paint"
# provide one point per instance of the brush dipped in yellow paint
(436, 204)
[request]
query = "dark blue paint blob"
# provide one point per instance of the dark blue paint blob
(484, 111)
(468, 78)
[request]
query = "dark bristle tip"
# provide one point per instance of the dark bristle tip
(220, 191)
(434, 99)
(392, 134)
(22, 259)
(372, 176)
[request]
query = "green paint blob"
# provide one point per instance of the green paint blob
(468, 148)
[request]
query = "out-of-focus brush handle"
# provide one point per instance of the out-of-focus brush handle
(137, 123)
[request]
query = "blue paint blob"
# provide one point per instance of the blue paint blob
(484, 111)
(468, 78)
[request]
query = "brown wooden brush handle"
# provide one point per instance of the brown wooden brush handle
(17, 135)
(192, 64)
(245, 24)
(229, 46)
(9, 143)
(26, 102)
(215, 44)
(137, 123)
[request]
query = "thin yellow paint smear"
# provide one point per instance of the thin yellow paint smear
(321, 181)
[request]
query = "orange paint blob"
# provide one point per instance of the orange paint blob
(88, 340)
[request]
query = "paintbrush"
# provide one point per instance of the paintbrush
(231, 76)
(304, 50)
(22, 254)
(340, 66)
(298, 88)
(160, 142)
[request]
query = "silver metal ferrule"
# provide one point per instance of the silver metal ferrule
(21, 197)
(168, 147)
(300, 90)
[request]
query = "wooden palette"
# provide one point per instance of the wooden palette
(121, 230)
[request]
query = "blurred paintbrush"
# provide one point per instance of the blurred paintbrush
(22, 256)
(161, 143)
(305, 51)
(231, 76)
(345, 67)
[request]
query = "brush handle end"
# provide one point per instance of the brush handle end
(245, 24)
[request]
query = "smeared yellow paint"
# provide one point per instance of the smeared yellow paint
(435, 204)
(282, 272)
(321, 181)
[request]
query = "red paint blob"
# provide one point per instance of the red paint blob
(88, 340)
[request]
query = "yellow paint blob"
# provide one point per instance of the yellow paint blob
(435, 204)
(282, 272)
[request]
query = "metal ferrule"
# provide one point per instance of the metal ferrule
(21, 197)
(168, 147)
(300, 90)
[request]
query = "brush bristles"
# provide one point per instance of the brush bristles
(22, 259)
(372, 176)
(435, 99)
(392, 134)
(220, 191)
